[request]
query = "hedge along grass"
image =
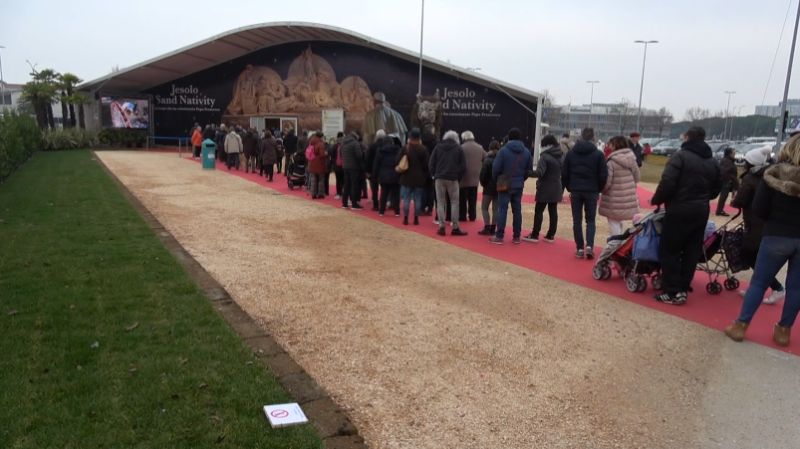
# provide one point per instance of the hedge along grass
(19, 138)
(105, 341)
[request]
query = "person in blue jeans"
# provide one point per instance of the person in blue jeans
(584, 174)
(509, 170)
(777, 202)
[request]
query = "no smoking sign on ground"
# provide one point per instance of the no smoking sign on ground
(282, 415)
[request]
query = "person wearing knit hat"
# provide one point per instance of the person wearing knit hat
(756, 162)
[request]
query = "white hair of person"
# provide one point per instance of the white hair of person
(380, 134)
(451, 135)
(467, 135)
(311, 134)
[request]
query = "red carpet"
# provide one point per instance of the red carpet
(557, 260)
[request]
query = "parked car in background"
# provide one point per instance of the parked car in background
(718, 147)
(667, 147)
(653, 141)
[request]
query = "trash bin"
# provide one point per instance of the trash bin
(209, 154)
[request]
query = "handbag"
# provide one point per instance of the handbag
(646, 244)
(402, 166)
(310, 153)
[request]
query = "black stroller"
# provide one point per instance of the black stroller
(723, 256)
(296, 173)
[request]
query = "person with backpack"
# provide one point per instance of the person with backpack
(510, 170)
(584, 175)
(691, 179)
(548, 190)
(489, 185)
(415, 176)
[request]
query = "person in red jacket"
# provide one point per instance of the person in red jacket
(318, 167)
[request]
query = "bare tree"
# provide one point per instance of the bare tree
(697, 113)
(664, 120)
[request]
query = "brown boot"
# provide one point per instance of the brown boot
(780, 335)
(736, 330)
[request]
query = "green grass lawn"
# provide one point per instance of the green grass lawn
(652, 168)
(105, 342)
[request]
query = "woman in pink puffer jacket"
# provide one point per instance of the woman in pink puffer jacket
(620, 201)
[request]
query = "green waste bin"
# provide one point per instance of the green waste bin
(209, 154)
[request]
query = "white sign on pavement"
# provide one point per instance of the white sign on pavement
(283, 415)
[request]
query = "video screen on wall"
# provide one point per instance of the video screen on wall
(118, 112)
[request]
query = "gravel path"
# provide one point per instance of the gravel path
(431, 346)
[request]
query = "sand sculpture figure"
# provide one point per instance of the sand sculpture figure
(356, 96)
(382, 116)
(427, 114)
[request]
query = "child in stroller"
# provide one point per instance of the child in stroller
(634, 263)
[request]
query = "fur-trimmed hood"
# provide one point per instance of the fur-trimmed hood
(784, 178)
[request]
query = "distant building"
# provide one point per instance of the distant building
(792, 105)
(10, 95)
(607, 119)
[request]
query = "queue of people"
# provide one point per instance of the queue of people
(441, 178)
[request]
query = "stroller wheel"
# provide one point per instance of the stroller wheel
(656, 281)
(632, 283)
(714, 288)
(601, 272)
(642, 284)
(731, 284)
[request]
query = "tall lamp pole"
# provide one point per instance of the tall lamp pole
(2, 84)
(727, 113)
(641, 85)
(421, 32)
(591, 101)
(783, 124)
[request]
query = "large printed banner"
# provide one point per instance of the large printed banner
(300, 80)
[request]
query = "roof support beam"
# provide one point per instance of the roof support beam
(233, 44)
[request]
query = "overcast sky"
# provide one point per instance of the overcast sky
(706, 46)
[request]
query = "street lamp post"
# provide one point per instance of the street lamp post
(421, 33)
(2, 84)
(727, 113)
(641, 85)
(782, 126)
(591, 101)
(738, 109)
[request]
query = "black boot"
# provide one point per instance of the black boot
(493, 229)
(487, 230)
(405, 220)
(416, 220)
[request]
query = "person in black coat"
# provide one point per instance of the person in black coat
(489, 184)
(691, 179)
(548, 189)
(584, 174)
(756, 163)
(414, 179)
(730, 179)
(289, 148)
(777, 201)
(372, 152)
(383, 171)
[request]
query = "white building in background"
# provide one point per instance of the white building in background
(607, 119)
(10, 95)
(792, 105)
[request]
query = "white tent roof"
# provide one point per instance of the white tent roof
(241, 41)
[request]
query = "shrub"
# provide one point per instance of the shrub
(122, 137)
(19, 138)
(68, 139)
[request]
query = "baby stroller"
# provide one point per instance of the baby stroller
(633, 262)
(296, 173)
(723, 256)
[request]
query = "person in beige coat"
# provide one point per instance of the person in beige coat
(620, 202)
